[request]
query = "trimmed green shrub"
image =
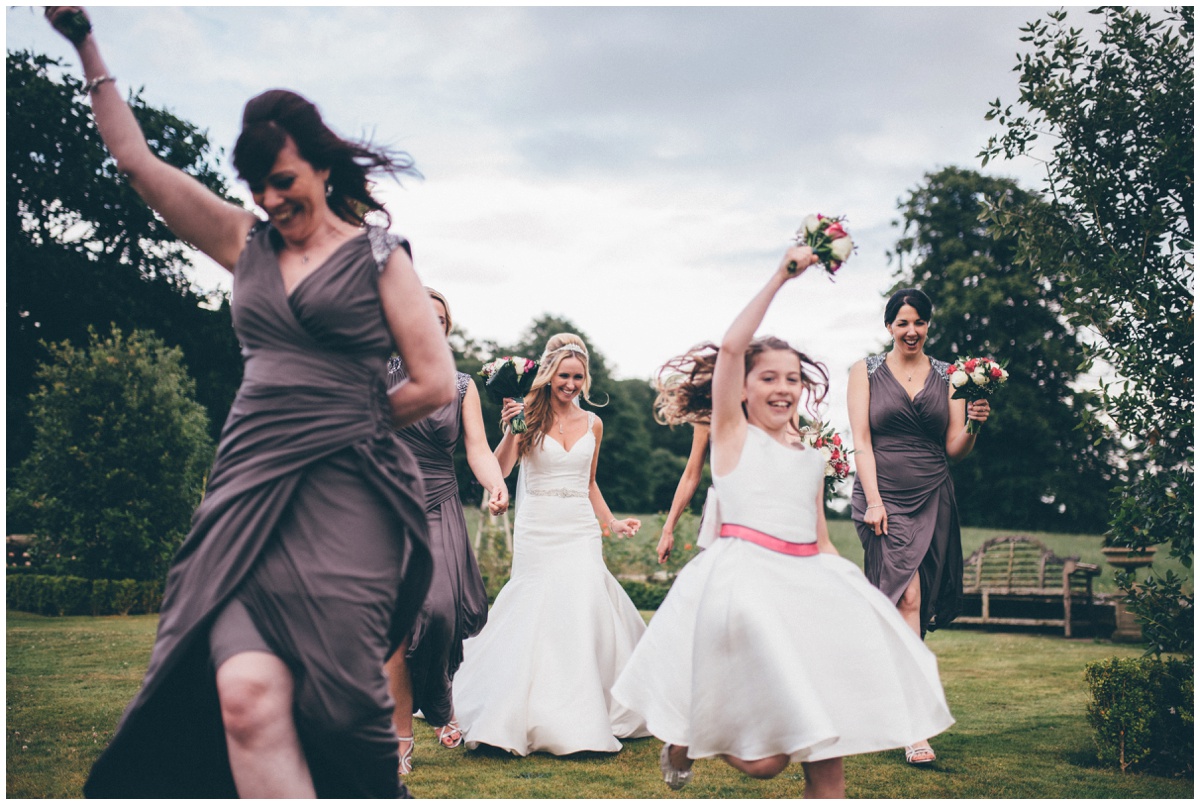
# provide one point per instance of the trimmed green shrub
(644, 594)
(1143, 711)
(71, 595)
(118, 461)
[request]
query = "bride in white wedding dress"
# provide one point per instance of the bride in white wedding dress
(538, 678)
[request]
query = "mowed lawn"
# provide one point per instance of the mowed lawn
(1019, 700)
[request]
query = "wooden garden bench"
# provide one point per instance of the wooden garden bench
(1018, 581)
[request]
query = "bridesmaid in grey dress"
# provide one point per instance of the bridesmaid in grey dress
(421, 670)
(906, 431)
(307, 560)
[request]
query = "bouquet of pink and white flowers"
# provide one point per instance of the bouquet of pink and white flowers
(837, 458)
(509, 377)
(828, 239)
(975, 379)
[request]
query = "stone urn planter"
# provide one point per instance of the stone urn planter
(1127, 558)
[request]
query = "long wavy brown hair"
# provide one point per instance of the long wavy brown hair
(684, 383)
(538, 416)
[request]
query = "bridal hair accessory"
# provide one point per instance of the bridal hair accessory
(568, 348)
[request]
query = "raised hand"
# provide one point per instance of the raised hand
(509, 411)
(625, 528)
(70, 21)
(796, 259)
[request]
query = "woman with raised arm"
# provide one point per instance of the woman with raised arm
(770, 648)
(421, 670)
(907, 430)
(538, 677)
(308, 559)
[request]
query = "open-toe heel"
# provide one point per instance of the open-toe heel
(406, 753)
(450, 735)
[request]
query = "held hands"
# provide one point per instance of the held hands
(70, 21)
(498, 502)
(624, 528)
(665, 544)
(795, 260)
(978, 410)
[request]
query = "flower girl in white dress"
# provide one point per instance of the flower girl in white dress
(771, 648)
(538, 678)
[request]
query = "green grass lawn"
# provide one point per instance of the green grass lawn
(1019, 701)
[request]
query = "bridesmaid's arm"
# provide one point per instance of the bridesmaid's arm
(420, 340)
(480, 458)
(684, 491)
(858, 406)
(620, 528)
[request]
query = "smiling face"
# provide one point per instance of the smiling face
(293, 194)
(909, 330)
(773, 389)
(567, 380)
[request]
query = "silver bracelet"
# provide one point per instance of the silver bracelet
(95, 83)
(876, 506)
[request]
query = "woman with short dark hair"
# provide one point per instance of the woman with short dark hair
(907, 430)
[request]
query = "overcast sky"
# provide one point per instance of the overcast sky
(635, 170)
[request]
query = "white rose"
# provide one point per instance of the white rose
(1003, 375)
(519, 367)
(810, 224)
(979, 378)
(826, 453)
(841, 249)
(958, 379)
(830, 472)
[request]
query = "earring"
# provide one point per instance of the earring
(328, 190)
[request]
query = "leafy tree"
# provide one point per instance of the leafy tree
(1117, 109)
(83, 250)
(119, 456)
(1032, 466)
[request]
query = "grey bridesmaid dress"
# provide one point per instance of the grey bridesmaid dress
(456, 607)
(908, 439)
(310, 543)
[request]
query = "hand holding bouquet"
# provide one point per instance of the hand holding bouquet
(837, 458)
(828, 239)
(511, 378)
(975, 379)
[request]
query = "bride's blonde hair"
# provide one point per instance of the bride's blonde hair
(538, 416)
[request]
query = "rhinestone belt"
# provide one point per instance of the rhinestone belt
(561, 492)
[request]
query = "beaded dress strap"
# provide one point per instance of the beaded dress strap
(874, 362)
(461, 381)
(941, 367)
(383, 243)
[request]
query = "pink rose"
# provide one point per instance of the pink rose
(835, 231)
(997, 372)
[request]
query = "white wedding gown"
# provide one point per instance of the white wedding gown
(538, 678)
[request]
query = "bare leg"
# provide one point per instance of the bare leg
(400, 685)
(763, 769)
(824, 779)
(679, 757)
(265, 756)
(910, 609)
(910, 604)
